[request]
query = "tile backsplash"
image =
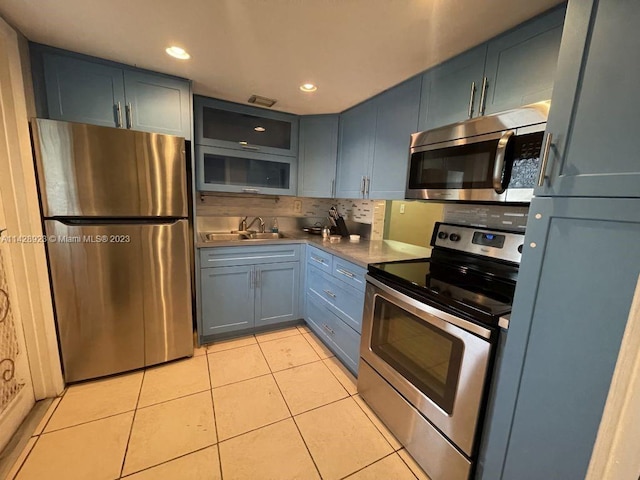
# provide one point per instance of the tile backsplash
(360, 214)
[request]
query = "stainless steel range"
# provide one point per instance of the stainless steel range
(429, 332)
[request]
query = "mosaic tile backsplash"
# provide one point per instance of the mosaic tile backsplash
(370, 212)
(9, 385)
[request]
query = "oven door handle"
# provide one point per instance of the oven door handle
(432, 311)
(498, 166)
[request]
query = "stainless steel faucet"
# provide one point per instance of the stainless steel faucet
(244, 227)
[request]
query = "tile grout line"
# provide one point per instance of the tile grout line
(346, 477)
(410, 469)
(293, 418)
(215, 423)
(166, 461)
(374, 425)
(133, 420)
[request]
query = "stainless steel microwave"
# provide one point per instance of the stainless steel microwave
(494, 158)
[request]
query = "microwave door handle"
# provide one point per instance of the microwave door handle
(498, 166)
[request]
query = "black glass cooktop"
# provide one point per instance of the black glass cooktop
(479, 290)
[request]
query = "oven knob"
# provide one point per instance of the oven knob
(520, 248)
(454, 237)
(442, 235)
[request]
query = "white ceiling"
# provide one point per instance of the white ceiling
(352, 49)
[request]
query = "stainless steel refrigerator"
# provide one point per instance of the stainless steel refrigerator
(114, 207)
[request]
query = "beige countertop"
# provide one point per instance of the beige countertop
(361, 253)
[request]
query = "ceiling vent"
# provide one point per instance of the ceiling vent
(262, 101)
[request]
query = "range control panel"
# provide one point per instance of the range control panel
(479, 241)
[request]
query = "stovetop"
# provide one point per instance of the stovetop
(477, 289)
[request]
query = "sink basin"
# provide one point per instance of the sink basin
(243, 236)
(217, 237)
(265, 236)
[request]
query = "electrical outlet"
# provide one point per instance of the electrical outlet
(297, 206)
(402, 208)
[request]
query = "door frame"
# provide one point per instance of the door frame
(615, 452)
(22, 212)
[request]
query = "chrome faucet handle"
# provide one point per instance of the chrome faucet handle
(243, 225)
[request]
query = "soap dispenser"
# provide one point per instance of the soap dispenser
(274, 225)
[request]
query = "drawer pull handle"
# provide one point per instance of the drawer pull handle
(345, 272)
(330, 293)
(326, 327)
(318, 260)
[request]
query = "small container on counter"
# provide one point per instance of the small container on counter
(354, 238)
(334, 238)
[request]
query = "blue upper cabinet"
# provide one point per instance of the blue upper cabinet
(374, 143)
(513, 69)
(594, 110)
(521, 64)
(451, 91)
(77, 88)
(242, 127)
(157, 104)
(396, 120)
(355, 150)
(318, 155)
(85, 92)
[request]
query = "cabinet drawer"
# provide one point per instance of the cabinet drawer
(248, 255)
(349, 273)
(341, 338)
(319, 258)
(345, 301)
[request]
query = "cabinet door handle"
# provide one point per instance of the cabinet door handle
(249, 147)
(129, 111)
(118, 115)
(251, 190)
(317, 260)
(346, 272)
(362, 185)
(483, 96)
(251, 282)
(258, 278)
(545, 159)
(333, 188)
(472, 98)
(326, 327)
(367, 185)
(330, 293)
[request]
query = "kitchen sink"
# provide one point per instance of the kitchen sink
(240, 236)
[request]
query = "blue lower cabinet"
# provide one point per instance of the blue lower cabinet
(334, 303)
(277, 291)
(338, 336)
(227, 299)
(247, 287)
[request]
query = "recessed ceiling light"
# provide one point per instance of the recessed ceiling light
(178, 52)
(260, 129)
(308, 87)
(243, 143)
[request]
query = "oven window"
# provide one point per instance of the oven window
(465, 166)
(426, 356)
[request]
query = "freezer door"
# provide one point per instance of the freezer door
(92, 171)
(99, 305)
(167, 292)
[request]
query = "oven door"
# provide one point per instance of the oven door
(438, 362)
(463, 169)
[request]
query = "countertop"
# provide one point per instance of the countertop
(361, 253)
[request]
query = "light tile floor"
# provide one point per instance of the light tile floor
(275, 406)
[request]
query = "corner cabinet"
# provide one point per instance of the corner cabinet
(77, 88)
(511, 70)
(244, 287)
(593, 119)
(374, 143)
(317, 156)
